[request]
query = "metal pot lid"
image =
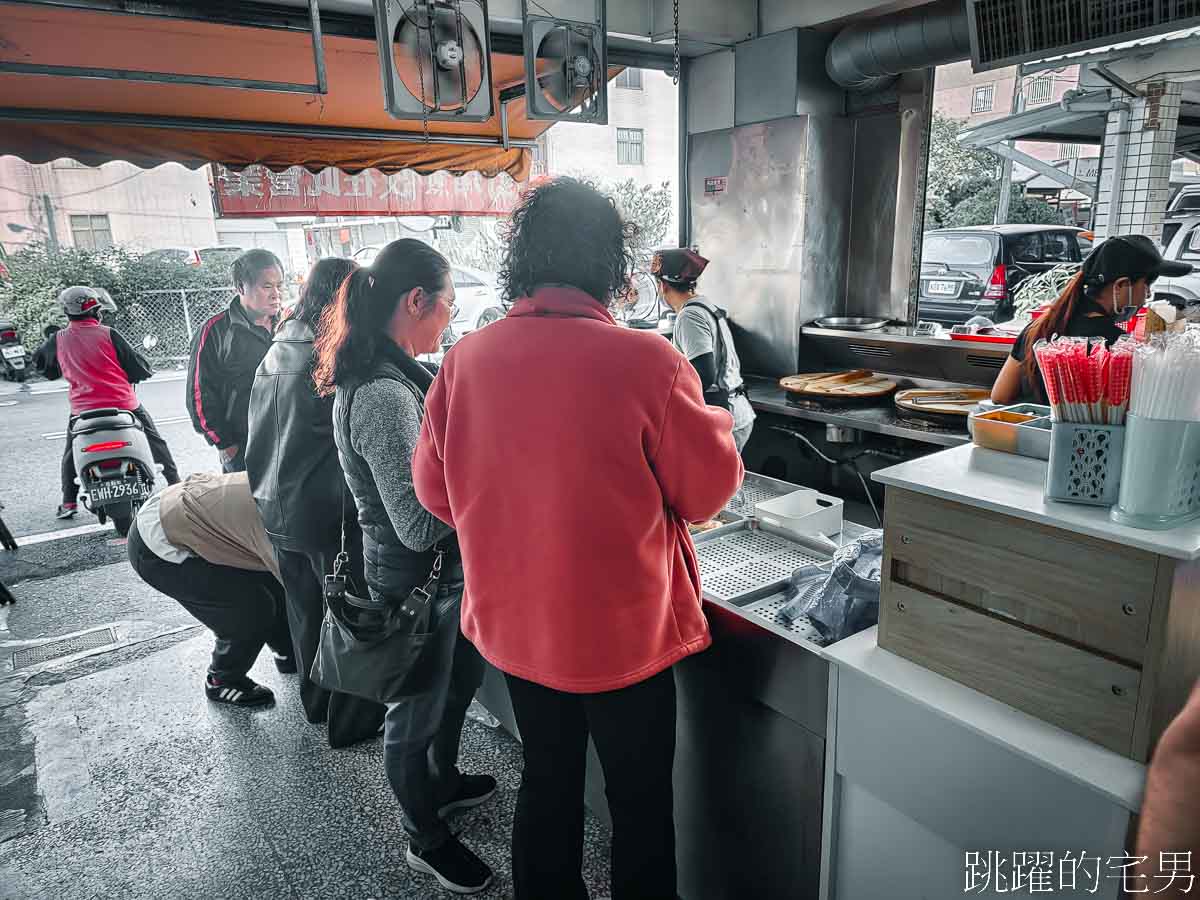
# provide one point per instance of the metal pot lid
(851, 323)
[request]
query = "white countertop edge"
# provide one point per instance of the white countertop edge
(1116, 777)
(1025, 499)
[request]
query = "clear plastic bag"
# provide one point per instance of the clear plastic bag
(839, 597)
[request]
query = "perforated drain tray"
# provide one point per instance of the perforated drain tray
(755, 489)
(736, 564)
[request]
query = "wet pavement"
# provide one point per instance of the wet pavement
(119, 779)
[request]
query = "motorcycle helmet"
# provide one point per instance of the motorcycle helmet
(78, 300)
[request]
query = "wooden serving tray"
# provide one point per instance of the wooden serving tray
(858, 383)
(958, 402)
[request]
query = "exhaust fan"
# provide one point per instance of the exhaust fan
(566, 67)
(435, 57)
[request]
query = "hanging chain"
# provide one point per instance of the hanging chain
(421, 72)
(675, 71)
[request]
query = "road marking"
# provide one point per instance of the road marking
(8, 402)
(30, 539)
(157, 379)
(173, 420)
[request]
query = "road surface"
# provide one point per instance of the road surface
(32, 436)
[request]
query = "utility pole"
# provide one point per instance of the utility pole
(51, 231)
(1018, 105)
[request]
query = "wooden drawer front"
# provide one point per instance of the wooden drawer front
(1090, 592)
(1087, 694)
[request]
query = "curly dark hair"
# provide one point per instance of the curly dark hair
(564, 231)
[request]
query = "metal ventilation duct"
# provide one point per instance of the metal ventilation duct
(1013, 31)
(869, 56)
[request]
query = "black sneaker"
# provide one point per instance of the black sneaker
(285, 665)
(237, 691)
(472, 790)
(66, 511)
(455, 867)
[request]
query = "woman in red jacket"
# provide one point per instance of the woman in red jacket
(570, 454)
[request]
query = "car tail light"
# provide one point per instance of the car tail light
(106, 446)
(997, 288)
(8, 335)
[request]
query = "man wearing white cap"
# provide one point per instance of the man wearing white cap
(102, 367)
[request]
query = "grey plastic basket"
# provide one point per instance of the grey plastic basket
(1160, 481)
(1085, 463)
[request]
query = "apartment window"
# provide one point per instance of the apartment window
(630, 79)
(630, 147)
(91, 232)
(540, 157)
(983, 98)
(1041, 90)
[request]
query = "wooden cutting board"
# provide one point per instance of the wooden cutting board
(941, 402)
(858, 383)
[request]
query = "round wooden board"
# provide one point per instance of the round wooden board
(954, 402)
(857, 384)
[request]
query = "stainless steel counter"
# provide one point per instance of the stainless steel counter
(767, 396)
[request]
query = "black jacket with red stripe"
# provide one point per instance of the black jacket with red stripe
(226, 352)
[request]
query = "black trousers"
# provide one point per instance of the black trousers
(158, 447)
(634, 733)
(350, 719)
(423, 731)
(243, 609)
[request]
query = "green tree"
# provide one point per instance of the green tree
(647, 206)
(955, 170)
(37, 275)
(979, 208)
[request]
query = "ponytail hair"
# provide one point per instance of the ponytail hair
(1053, 321)
(354, 328)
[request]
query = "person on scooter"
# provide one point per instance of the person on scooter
(226, 352)
(101, 367)
(202, 543)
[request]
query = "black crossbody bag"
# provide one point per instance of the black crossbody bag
(371, 648)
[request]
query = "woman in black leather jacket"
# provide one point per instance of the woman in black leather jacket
(297, 484)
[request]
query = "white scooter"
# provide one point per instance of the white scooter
(114, 465)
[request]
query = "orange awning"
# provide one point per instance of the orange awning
(46, 117)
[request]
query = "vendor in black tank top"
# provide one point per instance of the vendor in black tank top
(1113, 284)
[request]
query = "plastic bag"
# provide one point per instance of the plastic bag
(839, 597)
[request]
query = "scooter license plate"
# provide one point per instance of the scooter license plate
(13, 353)
(117, 490)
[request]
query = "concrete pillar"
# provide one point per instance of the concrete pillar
(1136, 170)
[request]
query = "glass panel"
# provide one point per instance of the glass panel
(1026, 248)
(1057, 248)
(957, 250)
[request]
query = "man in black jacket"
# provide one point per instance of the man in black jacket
(226, 351)
(298, 486)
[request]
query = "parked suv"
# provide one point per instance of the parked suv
(1184, 246)
(974, 271)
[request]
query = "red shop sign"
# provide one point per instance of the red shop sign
(257, 191)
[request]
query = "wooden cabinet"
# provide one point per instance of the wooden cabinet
(1095, 637)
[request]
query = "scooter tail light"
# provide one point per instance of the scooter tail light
(106, 446)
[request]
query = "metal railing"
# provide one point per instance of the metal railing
(161, 324)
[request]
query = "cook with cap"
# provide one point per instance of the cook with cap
(1113, 284)
(702, 335)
